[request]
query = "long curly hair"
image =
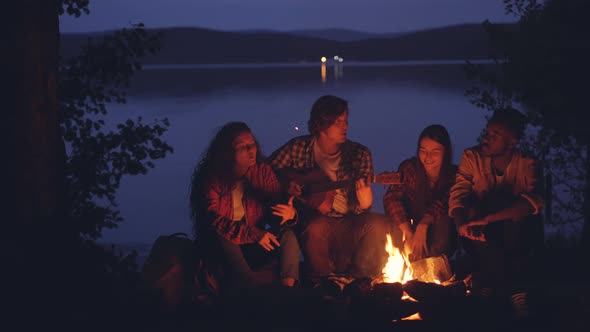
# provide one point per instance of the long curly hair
(216, 166)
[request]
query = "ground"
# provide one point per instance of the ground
(559, 300)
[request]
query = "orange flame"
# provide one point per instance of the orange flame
(398, 267)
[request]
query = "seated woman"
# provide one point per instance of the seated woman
(419, 206)
(232, 196)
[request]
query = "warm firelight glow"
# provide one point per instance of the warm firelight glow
(398, 268)
(415, 316)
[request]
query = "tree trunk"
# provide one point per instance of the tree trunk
(38, 239)
(36, 139)
(586, 227)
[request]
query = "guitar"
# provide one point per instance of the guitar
(318, 190)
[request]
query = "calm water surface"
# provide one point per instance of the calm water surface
(389, 105)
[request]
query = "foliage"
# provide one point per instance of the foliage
(548, 65)
(73, 7)
(521, 7)
(98, 156)
(540, 64)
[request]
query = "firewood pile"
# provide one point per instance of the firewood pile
(432, 294)
(429, 294)
(375, 300)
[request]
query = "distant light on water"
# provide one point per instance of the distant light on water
(323, 59)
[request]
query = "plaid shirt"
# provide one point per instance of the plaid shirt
(260, 186)
(356, 162)
(399, 200)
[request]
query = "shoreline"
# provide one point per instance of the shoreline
(314, 64)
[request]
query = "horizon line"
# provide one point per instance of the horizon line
(281, 30)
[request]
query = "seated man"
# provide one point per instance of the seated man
(338, 233)
(493, 202)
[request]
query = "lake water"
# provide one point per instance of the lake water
(390, 103)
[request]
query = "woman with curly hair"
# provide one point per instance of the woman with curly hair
(234, 196)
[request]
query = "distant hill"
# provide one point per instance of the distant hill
(465, 41)
(342, 35)
(198, 45)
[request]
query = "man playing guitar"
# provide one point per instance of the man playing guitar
(339, 234)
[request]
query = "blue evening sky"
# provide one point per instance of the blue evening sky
(283, 15)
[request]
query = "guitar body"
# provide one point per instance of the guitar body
(319, 200)
(318, 190)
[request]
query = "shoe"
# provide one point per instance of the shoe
(485, 292)
(476, 288)
(329, 287)
(520, 306)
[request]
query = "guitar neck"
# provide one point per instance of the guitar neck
(329, 186)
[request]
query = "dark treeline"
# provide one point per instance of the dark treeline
(196, 45)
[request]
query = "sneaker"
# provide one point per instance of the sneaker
(485, 292)
(476, 288)
(329, 287)
(482, 292)
(520, 307)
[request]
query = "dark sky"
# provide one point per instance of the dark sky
(363, 15)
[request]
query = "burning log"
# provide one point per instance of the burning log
(427, 291)
(330, 287)
(438, 301)
(377, 301)
(388, 291)
(358, 288)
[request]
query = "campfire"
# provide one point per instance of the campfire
(418, 282)
(399, 269)
(406, 290)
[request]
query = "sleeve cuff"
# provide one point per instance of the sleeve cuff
(294, 221)
(258, 234)
(533, 203)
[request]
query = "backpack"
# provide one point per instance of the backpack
(170, 269)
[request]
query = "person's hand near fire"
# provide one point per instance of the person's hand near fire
(516, 211)
(415, 242)
(419, 245)
(470, 229)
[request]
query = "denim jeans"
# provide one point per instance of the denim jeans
(505, 261)
(353, 245)
(242, 260)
